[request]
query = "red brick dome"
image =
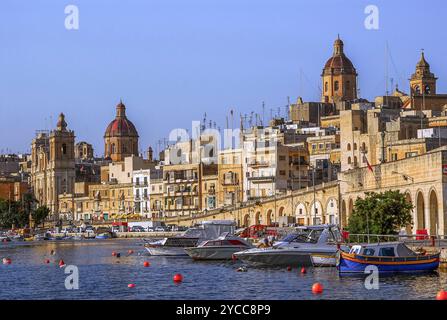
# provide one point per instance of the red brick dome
(339, 63)
(121, 126)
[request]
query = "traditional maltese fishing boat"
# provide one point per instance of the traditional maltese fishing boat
(387, 257)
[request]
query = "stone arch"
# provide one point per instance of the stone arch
(258, 218)
(331, 211)
(269, 217)
(316, 210)
(247, 220)
(301, 213)
(420, 214)
(281, 212)
(433, 205)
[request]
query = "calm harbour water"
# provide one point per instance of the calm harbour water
(102, 276)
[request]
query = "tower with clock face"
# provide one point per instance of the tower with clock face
(423, 82)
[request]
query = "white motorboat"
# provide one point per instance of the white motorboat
(221, 248)
(308, 246)
(175, 246)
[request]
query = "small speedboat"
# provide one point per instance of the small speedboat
(4, 239)
(175, 246)
(307, 246)
(221, 248)
(387, 257)
(103, 236)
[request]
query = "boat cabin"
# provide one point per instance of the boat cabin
(389, 249)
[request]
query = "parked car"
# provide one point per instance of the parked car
(160, 229)
(150, 229)
(137, 229)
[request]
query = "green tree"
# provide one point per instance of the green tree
(40, 214)
(12, 213)
(380, 213)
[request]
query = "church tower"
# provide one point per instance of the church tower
(339, 77)
(423, 81)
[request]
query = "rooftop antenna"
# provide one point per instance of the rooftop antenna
(263, 113)
(204, 122)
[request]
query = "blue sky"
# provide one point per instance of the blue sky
(173, 60)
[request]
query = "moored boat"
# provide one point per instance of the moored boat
(104, 235)
(387, 257)
(221, 248)
(308, 246)
(175, 246)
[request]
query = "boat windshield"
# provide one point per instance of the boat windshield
(304, 236)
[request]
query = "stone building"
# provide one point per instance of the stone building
(83, 151)
(53, 165)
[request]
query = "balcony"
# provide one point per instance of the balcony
(230, 182)
(262, 178)
(258, 164)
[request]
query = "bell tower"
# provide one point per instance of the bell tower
(423, 82)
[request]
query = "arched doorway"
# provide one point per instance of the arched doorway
(281, 212)
(247, 220)
(420, 211)
(258, 218)
(316, 213)
(433, 213)
(331, 211)
(269, 217)
(300, 214)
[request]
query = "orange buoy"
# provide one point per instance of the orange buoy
(146, 264)
(178, 278)
(7, 261)
(303, 270)
(442, 295)
(61, 263)
(317, 288)
(289, 268)
(131, 285)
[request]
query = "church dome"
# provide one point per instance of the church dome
(339, 63)
(121, 126)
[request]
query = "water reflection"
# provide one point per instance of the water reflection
(103, 276)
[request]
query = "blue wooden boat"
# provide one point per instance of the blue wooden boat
(103, 236)
(387, 257)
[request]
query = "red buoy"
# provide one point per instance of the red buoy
(317, 288)
(442, 295)
(47, 261)
(303, 270)
(61, 263)
(130, 251)
(146, 264)
(113, 253)
(289, 268)
(178, 278)
(131, 285)
(7, 261)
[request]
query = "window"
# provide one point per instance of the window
(320, 146)
(386, 252)
(349, 160)
(336, 86)
(368, 252)
(282, 173)
(326, 85)
(64, 148)
(349, 147)
(355, 146)
(348, 86)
